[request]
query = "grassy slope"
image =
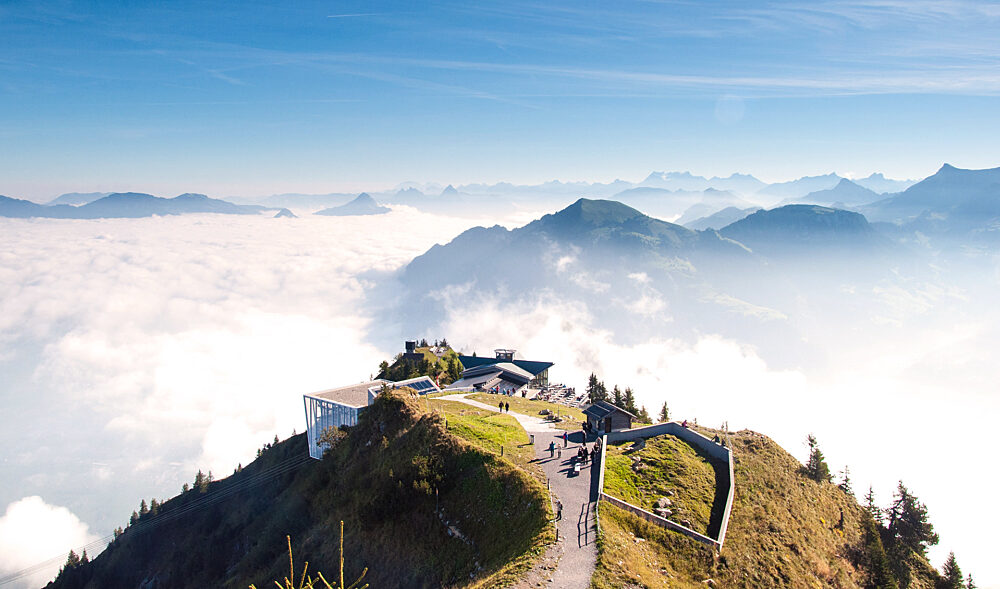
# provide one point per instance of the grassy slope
(380, 480)
(572, 418)
(783, 532)
(671, 465)
(490, 431)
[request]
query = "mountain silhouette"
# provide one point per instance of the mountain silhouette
(364, 204)
(126, 205)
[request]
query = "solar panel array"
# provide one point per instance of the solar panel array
(422, 385)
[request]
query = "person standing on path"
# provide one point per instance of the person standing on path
(565, 437)
(501, 406)
(552, 449)
(506, 407)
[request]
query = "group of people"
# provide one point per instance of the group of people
(504, 407)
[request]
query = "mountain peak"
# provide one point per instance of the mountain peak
(597, 213)
(448, 190)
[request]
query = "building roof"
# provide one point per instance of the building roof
(531, 366)
(355, 395)
(602, 409)
(500, 367)
(472, 377)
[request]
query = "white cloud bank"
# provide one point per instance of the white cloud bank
(159, 346)
(32, 531)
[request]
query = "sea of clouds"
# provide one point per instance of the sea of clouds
(136, 351)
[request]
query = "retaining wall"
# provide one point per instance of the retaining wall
(697, 440)
(660, 521)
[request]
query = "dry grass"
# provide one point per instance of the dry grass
(784, 531)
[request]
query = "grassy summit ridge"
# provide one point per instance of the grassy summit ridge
(785, 530)
(384, 480)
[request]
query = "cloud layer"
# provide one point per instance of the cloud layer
(138, 351)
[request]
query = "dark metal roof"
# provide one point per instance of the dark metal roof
(532, 366)
(602, 409)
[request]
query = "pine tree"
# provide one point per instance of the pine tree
(629, 400)
(908, 522)
(143, 508)
(817, 468)
(845, 481)
(969, 583)
(154, 507)
(873, 510)
(134, 519)
(185, 488)
(596, 391)
(664, 413)
(643, 415)
(83, 557)
(875, 561)
(616, 397)
(72, 561)
(951, 574)
(201, 482)
(383, 369)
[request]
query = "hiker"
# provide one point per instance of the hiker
(552, 449)
(586, 455)
(501, 406)
(565, 439)
(507, 407)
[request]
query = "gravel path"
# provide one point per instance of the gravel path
(577, 528)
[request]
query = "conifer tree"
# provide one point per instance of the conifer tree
(951, 574)
(817, 468)
(875, 561)
(908, 522)
(72, 561)
(132, 520)
(873, 510)
(185, 487)
(154, 507)
(664, 413)
(616, 397)
(629, 400)
(143, 508)
(83, 557)
(845, 481)
(969, 583)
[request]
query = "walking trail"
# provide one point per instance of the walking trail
(578, 494)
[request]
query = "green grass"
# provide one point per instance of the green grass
(671, 465)
(490, 431)
(784, 531)
(572, 418)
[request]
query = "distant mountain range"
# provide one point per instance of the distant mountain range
(720, 219)
(77, 198)
(126, 205)
(951, 192)
(844, 195)
(364, 204)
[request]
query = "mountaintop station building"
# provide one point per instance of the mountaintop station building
(538, 371)
(342, 405)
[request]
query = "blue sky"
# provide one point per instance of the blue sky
(256, 98)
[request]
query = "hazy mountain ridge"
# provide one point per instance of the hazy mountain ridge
(126, 205)
(364, 204)
(954, 203)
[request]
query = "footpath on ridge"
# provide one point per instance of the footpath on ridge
(577, 493)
